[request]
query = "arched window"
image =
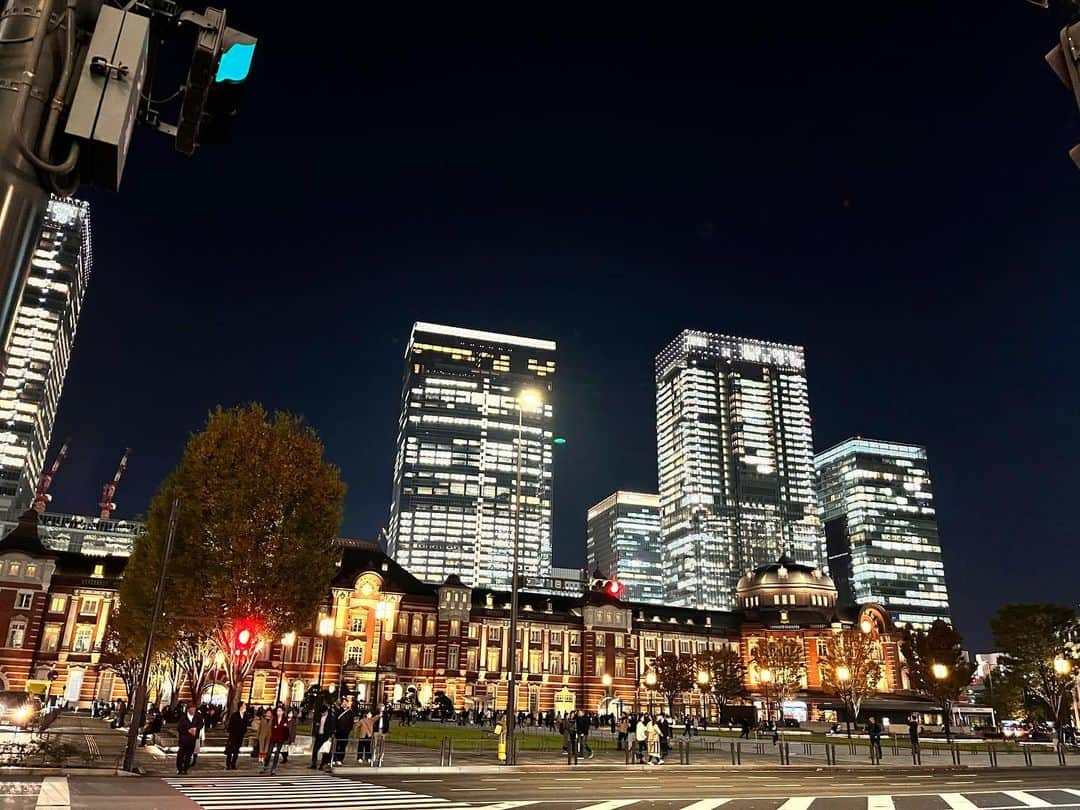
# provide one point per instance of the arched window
(16, 632)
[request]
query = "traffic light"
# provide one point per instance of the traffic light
(245, 637)
(614, 588)
(1064, 60)
(219, 66)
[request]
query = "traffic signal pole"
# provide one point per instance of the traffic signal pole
(31, 38)
(138, 708)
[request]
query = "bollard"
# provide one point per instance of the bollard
(628, 753)
(736, 753)
(1061, 755)
(992, 752)
(851, 747)
(785, 753)
(895, 746)
(687, 753)
(955, 754)
(1027, 754)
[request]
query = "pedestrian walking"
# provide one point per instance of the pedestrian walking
(277, 736)
(322, 729)
(187, 734)
(744, 729)
(653, 736)
(913, 732)
(343, 726)
(365, 727)
(378, 737)
(583, 724)
(292, 719)
(873, 728)
(235, 728)
(641, 736)
(623, 728)
(265, 728)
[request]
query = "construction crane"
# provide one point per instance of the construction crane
(42, 496)
(109, 490)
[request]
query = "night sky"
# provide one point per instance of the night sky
(885, 184)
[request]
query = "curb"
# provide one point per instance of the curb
(351, 770)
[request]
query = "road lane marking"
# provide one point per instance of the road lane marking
(797, 803)
(54, 793)
(879, 803)
(614, 804)
(473, 790)
(706, 804)
(957, 802)
(507, 805)
(411, 781)
(1026, 799)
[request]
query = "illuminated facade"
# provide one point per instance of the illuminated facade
(735, 459)
(455, 472)
(878, 506)
(40, 349)
(623, 541)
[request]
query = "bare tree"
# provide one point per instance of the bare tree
(851, 669)
(781, 667)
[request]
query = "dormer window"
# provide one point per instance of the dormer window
(99, 570)
(15, 569)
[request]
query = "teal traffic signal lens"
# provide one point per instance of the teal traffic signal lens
(235, 63)
(558, 440)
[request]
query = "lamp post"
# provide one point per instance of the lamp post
(650, 683)
(326, 629)
(287, 641)
(703, 685)
(607, 681)
(843, 675)
(941, 673)
(1062, 668)
(529, 398)
(382, 613)
(765, 676)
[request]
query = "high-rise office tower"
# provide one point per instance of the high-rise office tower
(455, 475)
(40, 349)
(878, 506)
(623, 541)
(736, 464)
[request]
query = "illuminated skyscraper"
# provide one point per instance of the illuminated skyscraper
(735, 457)
(455, 473)
(623, 541)
(880, 524)
(40, 349)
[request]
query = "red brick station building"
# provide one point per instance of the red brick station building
(383, 626)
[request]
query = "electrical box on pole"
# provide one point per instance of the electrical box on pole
(106, 104)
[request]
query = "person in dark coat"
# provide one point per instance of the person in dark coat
(236, 727)
(187, 733)
(343, 726)
(322, 729)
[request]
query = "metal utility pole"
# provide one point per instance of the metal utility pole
(138, 710)
(36, 41)
(511, 689)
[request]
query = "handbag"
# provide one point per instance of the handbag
(325, 748)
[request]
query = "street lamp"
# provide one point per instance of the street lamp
(532, 399)
(650, 683)
(941, 673)
(326, 629)
(843, 675)
(866, 626)
(383, 612)
(765, 676)
(1062, 668)
(703, 684)
(287, 641)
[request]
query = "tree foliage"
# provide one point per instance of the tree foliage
(259, 511)
(853, 653)
(727, 674)
(1032, 638)
(785, 660)
(940, 644)
(674, 674)
(121, 659)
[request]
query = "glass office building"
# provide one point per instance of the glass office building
(877, 502)
(736, 464)
(40, 349)
(453, 507)
(623, 541)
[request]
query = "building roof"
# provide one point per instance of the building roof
(25, 537)
(356, 560)
(785, 573)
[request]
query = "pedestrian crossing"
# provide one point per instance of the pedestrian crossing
(1061, 798)
(301, 793)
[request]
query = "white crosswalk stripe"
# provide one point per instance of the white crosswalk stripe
(797, 803)
(1026, 799)
(301, 793)
(957, 802)
(706, 804)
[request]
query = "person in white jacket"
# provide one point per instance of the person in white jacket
(641, 736)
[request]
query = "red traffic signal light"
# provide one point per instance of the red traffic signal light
(614, 588)
(244, 637)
